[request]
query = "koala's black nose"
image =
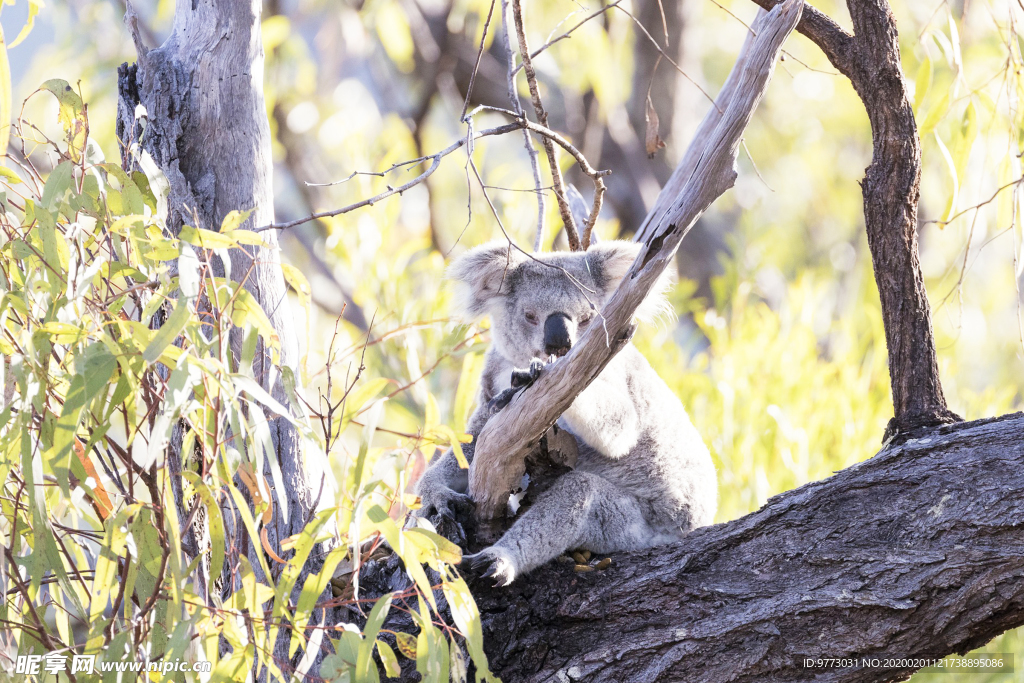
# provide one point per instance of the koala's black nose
(558, 332)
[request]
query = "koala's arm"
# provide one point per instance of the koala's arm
(444, 483)
(605, 415)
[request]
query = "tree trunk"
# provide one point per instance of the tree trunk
(871, 60)
(892, 188)
(917, 552)
(206, 128)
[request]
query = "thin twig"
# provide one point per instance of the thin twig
(435, 162)
(569, 224)
(665, 55)
(476, 65)
(513, 96)
(567, 34)
(435, 159)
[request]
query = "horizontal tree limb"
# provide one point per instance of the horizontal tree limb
(918, 551)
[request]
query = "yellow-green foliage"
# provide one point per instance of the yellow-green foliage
(782, 368)
(115, 334)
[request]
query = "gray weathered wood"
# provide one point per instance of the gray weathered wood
(508, 438)
(207, 129)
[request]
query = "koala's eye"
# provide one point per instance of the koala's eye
(531, 317)
(585, 320)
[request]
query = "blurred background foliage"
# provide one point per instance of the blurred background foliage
(778, 352)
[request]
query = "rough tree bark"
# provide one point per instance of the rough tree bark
(916, 552)
(206, 128)
(870, 58)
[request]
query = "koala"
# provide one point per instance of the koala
(642, 476)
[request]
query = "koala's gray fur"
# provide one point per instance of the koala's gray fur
(643, 475)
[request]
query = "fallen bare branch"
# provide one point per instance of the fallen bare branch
(505, 441)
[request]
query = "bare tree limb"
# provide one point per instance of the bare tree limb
(506, 440)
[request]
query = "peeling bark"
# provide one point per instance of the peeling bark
(206, 128)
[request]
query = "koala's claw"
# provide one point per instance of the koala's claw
(445, 512)
(524, 378)
(492, 563)
(449, 504)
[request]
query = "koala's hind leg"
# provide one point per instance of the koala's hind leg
(580, 510)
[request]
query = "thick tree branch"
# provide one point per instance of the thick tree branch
(507, 439)
(918, 551)
(891, 189)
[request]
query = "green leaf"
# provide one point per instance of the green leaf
(33, 10)
(56, 185)
(234, 220)
(370, 631)
(7, 174)
(234, 667)
(297, 281)
(208, 239)
(388, 659)
(433, 545)
(71, 115)
(168, 332)
(467, 618)
(935, 114)
(132, 199)
(406, 644)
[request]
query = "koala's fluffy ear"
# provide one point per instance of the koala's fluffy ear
(610, 261)
(482, 275)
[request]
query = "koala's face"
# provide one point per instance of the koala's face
(540, 305)
(545, 309)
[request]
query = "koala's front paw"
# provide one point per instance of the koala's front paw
(444, 508)
(492, 562)
(524, 378)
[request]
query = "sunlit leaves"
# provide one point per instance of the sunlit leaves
(71, 115)
(6, 100)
